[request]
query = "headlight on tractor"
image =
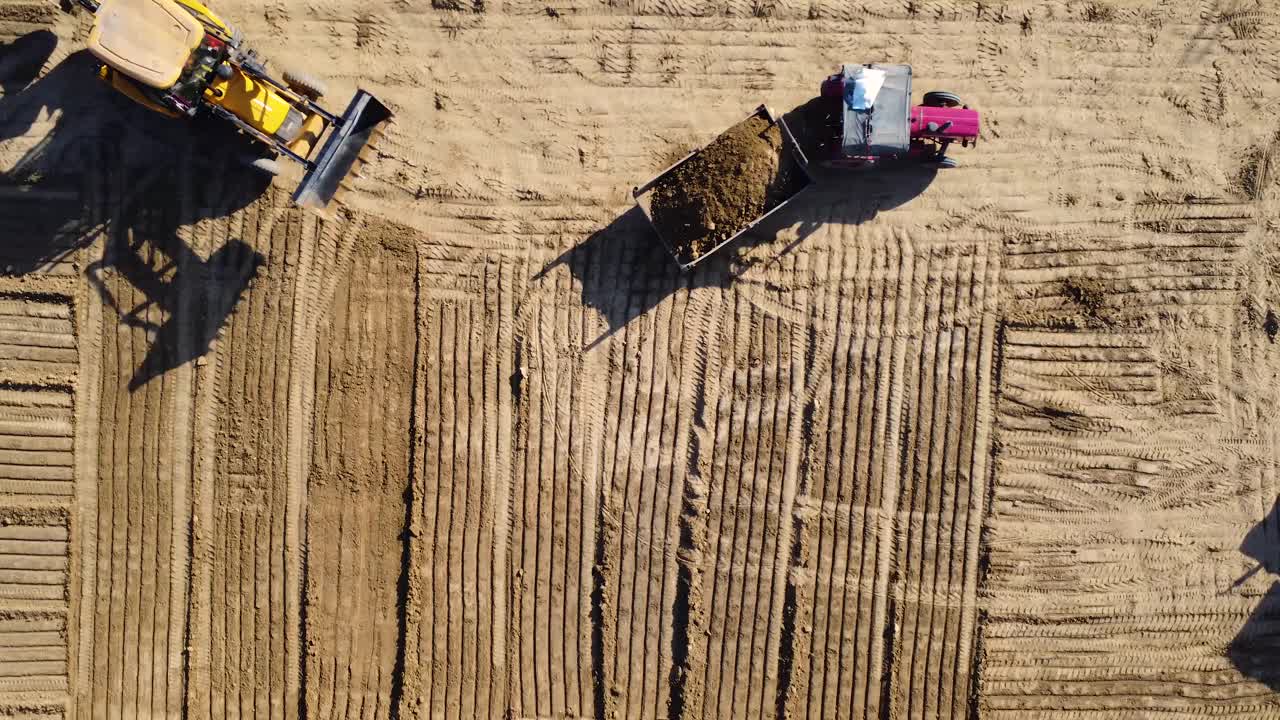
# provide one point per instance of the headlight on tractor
(291, 127)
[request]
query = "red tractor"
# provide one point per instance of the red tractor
(879, 125)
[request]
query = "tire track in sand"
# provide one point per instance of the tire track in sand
(465, 636)
(560, 420)
(229, 495)
(40, 481)
(743, 513)
(132, 642)
(642, 486)
(944, 505)
(37, 339)
(884, 577)
(254, 400)
(358, 480)
(35, 557)
(842, 549)
(1132, 461)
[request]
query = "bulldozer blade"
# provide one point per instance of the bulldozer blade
(346, 142)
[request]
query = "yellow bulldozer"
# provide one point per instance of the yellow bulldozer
(179, 59)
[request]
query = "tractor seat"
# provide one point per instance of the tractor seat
(148, 40)
(885, 129)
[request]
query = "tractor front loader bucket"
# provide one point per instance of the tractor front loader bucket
(343, 151)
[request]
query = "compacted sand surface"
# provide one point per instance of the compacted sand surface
(995, 442)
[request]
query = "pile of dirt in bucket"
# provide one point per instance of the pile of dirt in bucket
(742, 174)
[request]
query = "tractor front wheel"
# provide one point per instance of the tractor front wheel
(941, 98)
(304, 84)
(946, 163)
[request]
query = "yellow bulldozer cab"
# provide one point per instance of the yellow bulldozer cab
(150, 45)
(147, 40)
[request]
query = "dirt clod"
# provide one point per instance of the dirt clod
(1088, 293)
(1099, 12)
(742, 174)
(1254, 174)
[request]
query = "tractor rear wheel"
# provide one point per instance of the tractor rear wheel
(941, 98)
(946, 163)
(304, 84)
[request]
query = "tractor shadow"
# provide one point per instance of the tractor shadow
(1255, 651)
(108, 168)
(624, 271)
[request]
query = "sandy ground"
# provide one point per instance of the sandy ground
(995, 443)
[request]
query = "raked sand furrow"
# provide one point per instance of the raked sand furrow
(759, 488)
(357, 481)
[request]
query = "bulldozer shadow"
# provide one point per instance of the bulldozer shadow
(81, 115)
(1255, 650)
(156, 283)
(177, 297)
(22, 59)
(109, 170)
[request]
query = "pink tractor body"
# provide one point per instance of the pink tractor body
(878, 124)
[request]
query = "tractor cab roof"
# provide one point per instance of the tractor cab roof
(148, 40)
(877, 107)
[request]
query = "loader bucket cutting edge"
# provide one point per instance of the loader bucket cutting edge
(341, 150)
